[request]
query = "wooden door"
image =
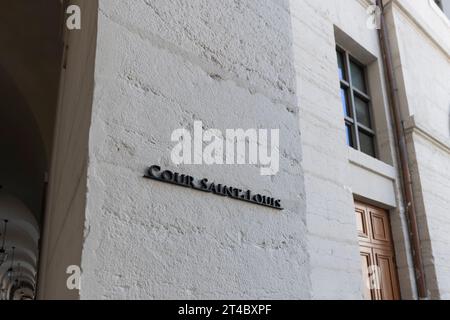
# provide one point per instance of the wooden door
(380, 279)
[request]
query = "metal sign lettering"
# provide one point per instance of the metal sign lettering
(167, 176)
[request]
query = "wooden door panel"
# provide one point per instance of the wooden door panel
(380, 227)
(366, 263)
(361, 224)
(377, 253)
(388, 274)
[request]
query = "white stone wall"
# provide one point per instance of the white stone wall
(446, 7)
(160, 66)
(421, 43)
(232, 64)
(335, 175)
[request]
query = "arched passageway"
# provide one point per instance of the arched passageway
(30, 60)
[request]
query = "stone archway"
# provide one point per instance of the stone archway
(30, 62)
(23, 235)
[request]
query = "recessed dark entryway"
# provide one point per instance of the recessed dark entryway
(30, 59)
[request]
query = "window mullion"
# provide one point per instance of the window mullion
(349, 120)
(366, 129)
(352, 100)
(361, 94)
(345, 84)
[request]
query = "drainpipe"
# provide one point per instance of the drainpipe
(408, 195)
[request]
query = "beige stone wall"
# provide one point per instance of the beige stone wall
(64, 221)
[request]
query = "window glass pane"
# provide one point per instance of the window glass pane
(367, 143)
(345, 104)
(362, 112)
(341, 66)
(358, 77)
(349, 135)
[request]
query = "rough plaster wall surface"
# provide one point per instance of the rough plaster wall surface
(66, 204)
(425, 95)
(160, 66)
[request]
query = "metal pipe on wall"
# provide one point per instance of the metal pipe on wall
(403, 155)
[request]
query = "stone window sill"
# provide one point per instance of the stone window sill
(376, 166)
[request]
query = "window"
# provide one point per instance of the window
(356, 104)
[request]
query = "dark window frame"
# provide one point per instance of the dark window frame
(346, 83)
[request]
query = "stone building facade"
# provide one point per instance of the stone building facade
(315, 70)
